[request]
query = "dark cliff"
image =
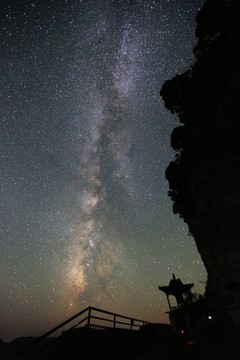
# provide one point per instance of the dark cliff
(204, 178)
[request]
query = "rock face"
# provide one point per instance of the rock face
(204, 178)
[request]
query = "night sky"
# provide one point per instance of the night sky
(85, 141)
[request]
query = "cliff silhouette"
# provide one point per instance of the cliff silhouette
(204, 177)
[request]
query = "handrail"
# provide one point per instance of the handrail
(118, 315)
(133, 323)
(89, 308)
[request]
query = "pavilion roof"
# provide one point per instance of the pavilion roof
(176, 287)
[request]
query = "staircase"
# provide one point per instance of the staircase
(92, 333)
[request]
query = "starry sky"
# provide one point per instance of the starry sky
(85, 141)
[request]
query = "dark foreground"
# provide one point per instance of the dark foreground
(122, 344)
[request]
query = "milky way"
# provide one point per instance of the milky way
(86, 219)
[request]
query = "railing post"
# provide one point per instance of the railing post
(89, 316)
(114, 321)
(132, 324)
